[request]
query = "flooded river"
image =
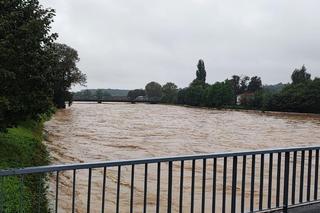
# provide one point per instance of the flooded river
(114, 131)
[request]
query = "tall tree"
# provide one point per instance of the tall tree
(133, 94)
(255, 84)
(24, 88)
(235, 84)
(300, 75)
(65, 72)
(244, 84)
(153, 91)
(201, 72)
(169, 92)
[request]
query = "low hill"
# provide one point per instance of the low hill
(100, 93)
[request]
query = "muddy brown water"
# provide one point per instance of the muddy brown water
(119, 131)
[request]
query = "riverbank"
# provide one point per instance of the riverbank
(22, 147)
(244, 109)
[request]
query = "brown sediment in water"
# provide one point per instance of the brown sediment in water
(118, 131)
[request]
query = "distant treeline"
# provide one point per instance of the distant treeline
(99, 94)
(301, 95)
(35, 72)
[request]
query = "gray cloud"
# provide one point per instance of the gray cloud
(125, 44)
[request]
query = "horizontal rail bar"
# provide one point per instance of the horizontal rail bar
(52, 168)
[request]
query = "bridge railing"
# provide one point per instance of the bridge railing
(249, 181)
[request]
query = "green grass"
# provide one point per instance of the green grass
(22, 147)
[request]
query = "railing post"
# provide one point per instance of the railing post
(169, 187)
(1, 194)
(286, 182)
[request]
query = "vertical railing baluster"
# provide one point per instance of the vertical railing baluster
(181, 187)
(270, 180)
(192, 185)
(253, 169)
(74, 190)
(132, 188)
(118, 190)
(261, 181)
(89, 190)
(316, 175)
(57, 192)
(309, 174)
(104, 189)
(214, 184)
(158, 187)
(21, 188)
(203, 199)
(286, 182)
(243, 184)
(224, 184)
(169, 186)
(278, 180)
(39, 197)
(301, 176)
(234, 185)
(294, 171)
(2, 198)
(145, 194)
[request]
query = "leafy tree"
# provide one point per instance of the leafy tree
(25, 91)
(65, 72)
(169, 93)
(301, 97)
(244, 84)
(194, 95)
(153, 91)
(300, 75)
(260, 99)
(181, 96)
(133, 94)
(201, 72)
(255, 84)
(235, 84)
(220, 94)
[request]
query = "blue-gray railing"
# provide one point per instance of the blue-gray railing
(248, 181)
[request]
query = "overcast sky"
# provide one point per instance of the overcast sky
(127, 43)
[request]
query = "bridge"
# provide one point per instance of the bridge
(273, 180)
(121, 100)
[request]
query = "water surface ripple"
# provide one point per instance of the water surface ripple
(112, 131)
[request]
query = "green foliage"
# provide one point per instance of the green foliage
(24, 68)
(169, 93)
(298, 97)
(244, 84)
(259, 100)
(91, 94)
(219, 94)
(35, 73)
(255, 84)
(194, 95)
(133, 94)
(300, 75)
(65, 72)
(101, 94)
(153, 91)
(201, 72)
(22, 147)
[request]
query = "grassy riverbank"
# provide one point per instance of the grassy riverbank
(22, 147)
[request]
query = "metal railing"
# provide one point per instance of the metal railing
(249, 181)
